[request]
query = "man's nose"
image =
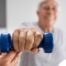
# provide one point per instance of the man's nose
(49, 12)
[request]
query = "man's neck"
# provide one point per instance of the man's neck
(44, 28)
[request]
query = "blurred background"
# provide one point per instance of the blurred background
(14, 12)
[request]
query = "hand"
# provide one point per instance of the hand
(26, 39)
(9, 59)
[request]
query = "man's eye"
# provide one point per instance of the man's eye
(53, 8)
(46, 8)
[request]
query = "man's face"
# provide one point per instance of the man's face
(47, 12)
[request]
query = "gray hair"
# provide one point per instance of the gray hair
(41, 2)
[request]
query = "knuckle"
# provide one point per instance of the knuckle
(29, 40)
(37, 39)
(22, 37)
(38, 36)
(15, 35)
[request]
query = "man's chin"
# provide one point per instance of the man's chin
(48, 26)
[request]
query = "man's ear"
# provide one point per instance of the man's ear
(37, 12)
(55, 17)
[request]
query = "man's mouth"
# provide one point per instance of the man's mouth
(47, 17)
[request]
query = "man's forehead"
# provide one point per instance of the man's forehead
(48, 2)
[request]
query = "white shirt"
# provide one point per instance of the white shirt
(41, 58)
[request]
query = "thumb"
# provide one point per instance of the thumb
(9, 56)
(16, 57)
(35, 50)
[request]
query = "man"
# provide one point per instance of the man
(47, 14)
(28, 38)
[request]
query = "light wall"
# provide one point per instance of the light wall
(25, 10)
(19, 11)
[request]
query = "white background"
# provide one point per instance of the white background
(19, 11)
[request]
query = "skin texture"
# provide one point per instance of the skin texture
(9, 59)
(29, 39)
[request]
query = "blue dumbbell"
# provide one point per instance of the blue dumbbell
(47, 43)
(5, 43)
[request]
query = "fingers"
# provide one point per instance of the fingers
(22, 40)
(15, 38)
(26, 39)
(35, 50)
(9, 57)
(37, 39)
(29, 40)
(16, 57)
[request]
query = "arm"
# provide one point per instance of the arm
(9, 59)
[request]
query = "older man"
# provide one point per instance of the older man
(47, 14)
(27, 39)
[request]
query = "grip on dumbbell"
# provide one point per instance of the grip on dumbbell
(6, 44)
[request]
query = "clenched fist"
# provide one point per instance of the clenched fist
(26, 39)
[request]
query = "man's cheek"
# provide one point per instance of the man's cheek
(54, 14)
